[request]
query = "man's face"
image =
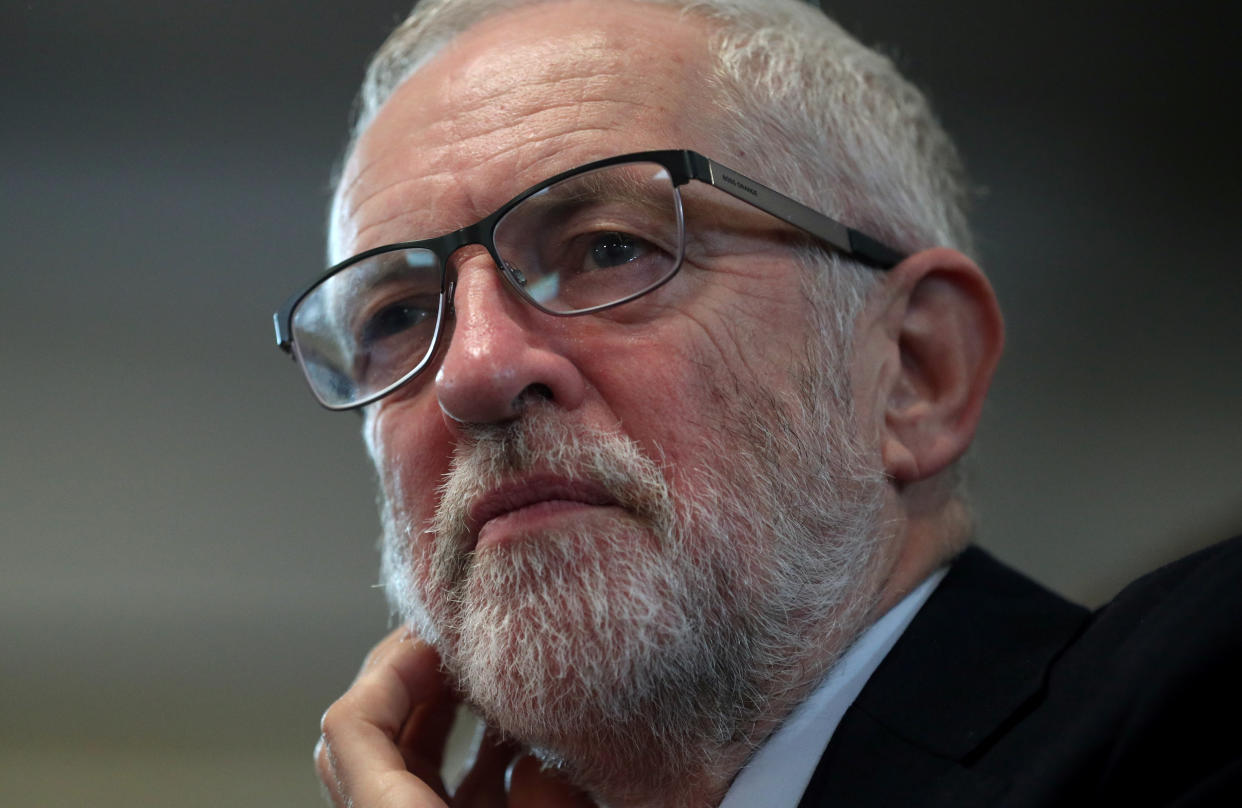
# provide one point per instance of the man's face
(589, 498)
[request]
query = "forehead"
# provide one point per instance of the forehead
(519, 97)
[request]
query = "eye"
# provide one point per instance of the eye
(613, 249)
(394, 319)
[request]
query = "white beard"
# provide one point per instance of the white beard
(671, 635)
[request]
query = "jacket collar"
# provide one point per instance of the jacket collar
(968, 666)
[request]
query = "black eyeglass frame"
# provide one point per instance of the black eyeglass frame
(682, 165)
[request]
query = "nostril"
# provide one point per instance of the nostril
(532, 391)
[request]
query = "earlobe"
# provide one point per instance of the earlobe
(948, 334)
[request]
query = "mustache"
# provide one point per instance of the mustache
(544, 441)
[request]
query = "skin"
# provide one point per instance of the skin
(515, 99)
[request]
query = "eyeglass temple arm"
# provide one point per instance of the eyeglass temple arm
(846, 239)
(283, 341)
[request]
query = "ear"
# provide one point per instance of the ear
(938, 336)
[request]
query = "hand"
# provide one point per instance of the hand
(383, 743)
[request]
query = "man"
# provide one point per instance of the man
(667, 459)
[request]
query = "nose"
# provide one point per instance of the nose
(501, 352)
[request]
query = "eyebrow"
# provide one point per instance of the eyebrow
(389, 266)
(595, 186)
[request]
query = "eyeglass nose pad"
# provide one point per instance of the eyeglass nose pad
(449, 293)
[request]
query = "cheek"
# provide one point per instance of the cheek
(703, 394)
(410, 448)
(668, 397)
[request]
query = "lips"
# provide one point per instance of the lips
(530, 492)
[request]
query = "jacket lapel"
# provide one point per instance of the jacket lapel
(966, 668)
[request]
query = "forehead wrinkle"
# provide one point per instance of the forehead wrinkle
(361, 234)
(358, 175)
(462, 132)
(549, 146)
(569, 120)
(478, 208)
(496, 88)
(477, 111)
(491, 71)
(552, 113)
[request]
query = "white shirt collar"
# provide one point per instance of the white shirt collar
(779, 771)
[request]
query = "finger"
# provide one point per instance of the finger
(423, 738)
(483, 785)
(393, 642)
(358, 758)
(533, 786)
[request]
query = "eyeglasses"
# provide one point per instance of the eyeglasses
(588, 239)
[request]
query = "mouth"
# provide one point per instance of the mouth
(525, 505)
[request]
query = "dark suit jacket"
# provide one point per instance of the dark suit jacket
(1001, 693)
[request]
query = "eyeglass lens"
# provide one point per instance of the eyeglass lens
(589, 241)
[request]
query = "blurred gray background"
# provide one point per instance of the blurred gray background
(188, 541)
